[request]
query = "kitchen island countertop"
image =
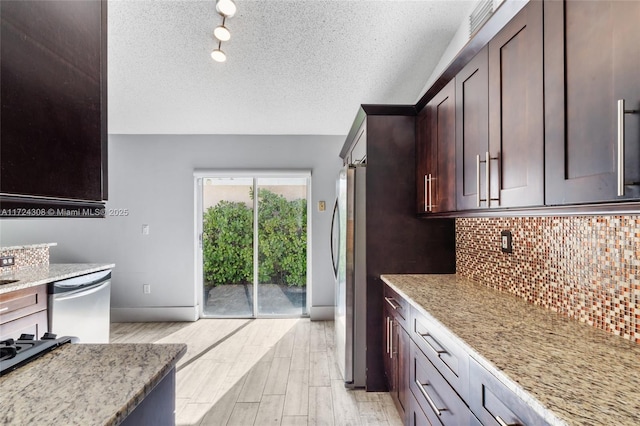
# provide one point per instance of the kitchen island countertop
(85, 384)
(582, 374)
(31, 276)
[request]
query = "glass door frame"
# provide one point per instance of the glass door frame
(198, 176)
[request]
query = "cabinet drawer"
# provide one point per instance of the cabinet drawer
(20, 303)
(399, 306)
(417, 417)
(434, 395)
(445, 354)
(494, 404)
(35, 324)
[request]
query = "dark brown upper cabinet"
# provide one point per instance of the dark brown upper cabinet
(54, 123)
(472, 130)
(436, 150)
(516, 116)
(591, 61)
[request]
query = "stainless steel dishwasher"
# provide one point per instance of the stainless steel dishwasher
(80, 307)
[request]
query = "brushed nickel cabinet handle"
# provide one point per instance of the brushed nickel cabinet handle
(478, 180)
(501, 422)
(430, 193)
(388, 334)
(424, 393)
(390, 301)
(620, 147)
(4, 309)
(439, 349)
(426, 197)
(487, 169)
(621, 113)
(391, 338)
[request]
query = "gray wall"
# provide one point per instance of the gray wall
(152, 177)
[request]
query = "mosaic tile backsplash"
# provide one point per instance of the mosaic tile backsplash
(25, 257)
(584, 267)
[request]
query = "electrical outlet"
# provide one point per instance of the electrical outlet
(322, 206)
(7, 261)
(146, 288)
(145, 229)
(506, 243)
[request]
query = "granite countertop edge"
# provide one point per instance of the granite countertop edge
(43, 274)
(131, 405)
(27, 246)
(529, 399)
(88, 384)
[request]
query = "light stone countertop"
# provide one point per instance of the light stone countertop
(85, 384)
(583, 375)
(31, 276)
(28, 246)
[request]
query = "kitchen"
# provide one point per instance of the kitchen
(151, 177)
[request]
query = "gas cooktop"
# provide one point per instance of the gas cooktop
(16, 353)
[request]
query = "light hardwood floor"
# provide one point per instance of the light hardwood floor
(260, 372)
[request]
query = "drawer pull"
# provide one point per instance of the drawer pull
(4, 309)
(390, 301)
(437, 348)
(621, 112)
(390, 337)
(503, 423)
(387, 325)
(424, 393)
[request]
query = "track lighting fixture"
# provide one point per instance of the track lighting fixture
(226, 9)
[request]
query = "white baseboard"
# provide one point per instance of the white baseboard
(155, 314)
(321, 313)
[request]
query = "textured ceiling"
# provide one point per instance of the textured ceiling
(293, 67)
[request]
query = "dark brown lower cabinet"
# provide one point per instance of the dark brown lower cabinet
(434, 380)
(434, 394)
(494, 404)
(415, 416)
(396, 357)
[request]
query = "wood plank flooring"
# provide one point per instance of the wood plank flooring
(260, 372)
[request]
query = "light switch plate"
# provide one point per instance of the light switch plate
(506, 243)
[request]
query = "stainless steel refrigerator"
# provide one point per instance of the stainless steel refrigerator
(348, 249)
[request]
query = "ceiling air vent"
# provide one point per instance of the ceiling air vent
(479, 16)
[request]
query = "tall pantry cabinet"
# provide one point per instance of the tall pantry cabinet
(397, 241)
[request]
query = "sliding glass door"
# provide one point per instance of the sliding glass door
(253, 233)
(282, 246)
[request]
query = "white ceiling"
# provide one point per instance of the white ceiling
(294, 66)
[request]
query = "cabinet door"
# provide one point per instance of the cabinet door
(422, 162)
(388, 341)
(472, 130)
(516, 126)
(444, 352)
(436, 397)
(495, 404)
(591, 60)
(54, 130)
(436, 142)
(403, 370)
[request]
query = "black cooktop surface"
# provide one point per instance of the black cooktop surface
(16, 353)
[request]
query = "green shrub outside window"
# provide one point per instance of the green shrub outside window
(282, 241)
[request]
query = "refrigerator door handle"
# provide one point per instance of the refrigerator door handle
(335, 261)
